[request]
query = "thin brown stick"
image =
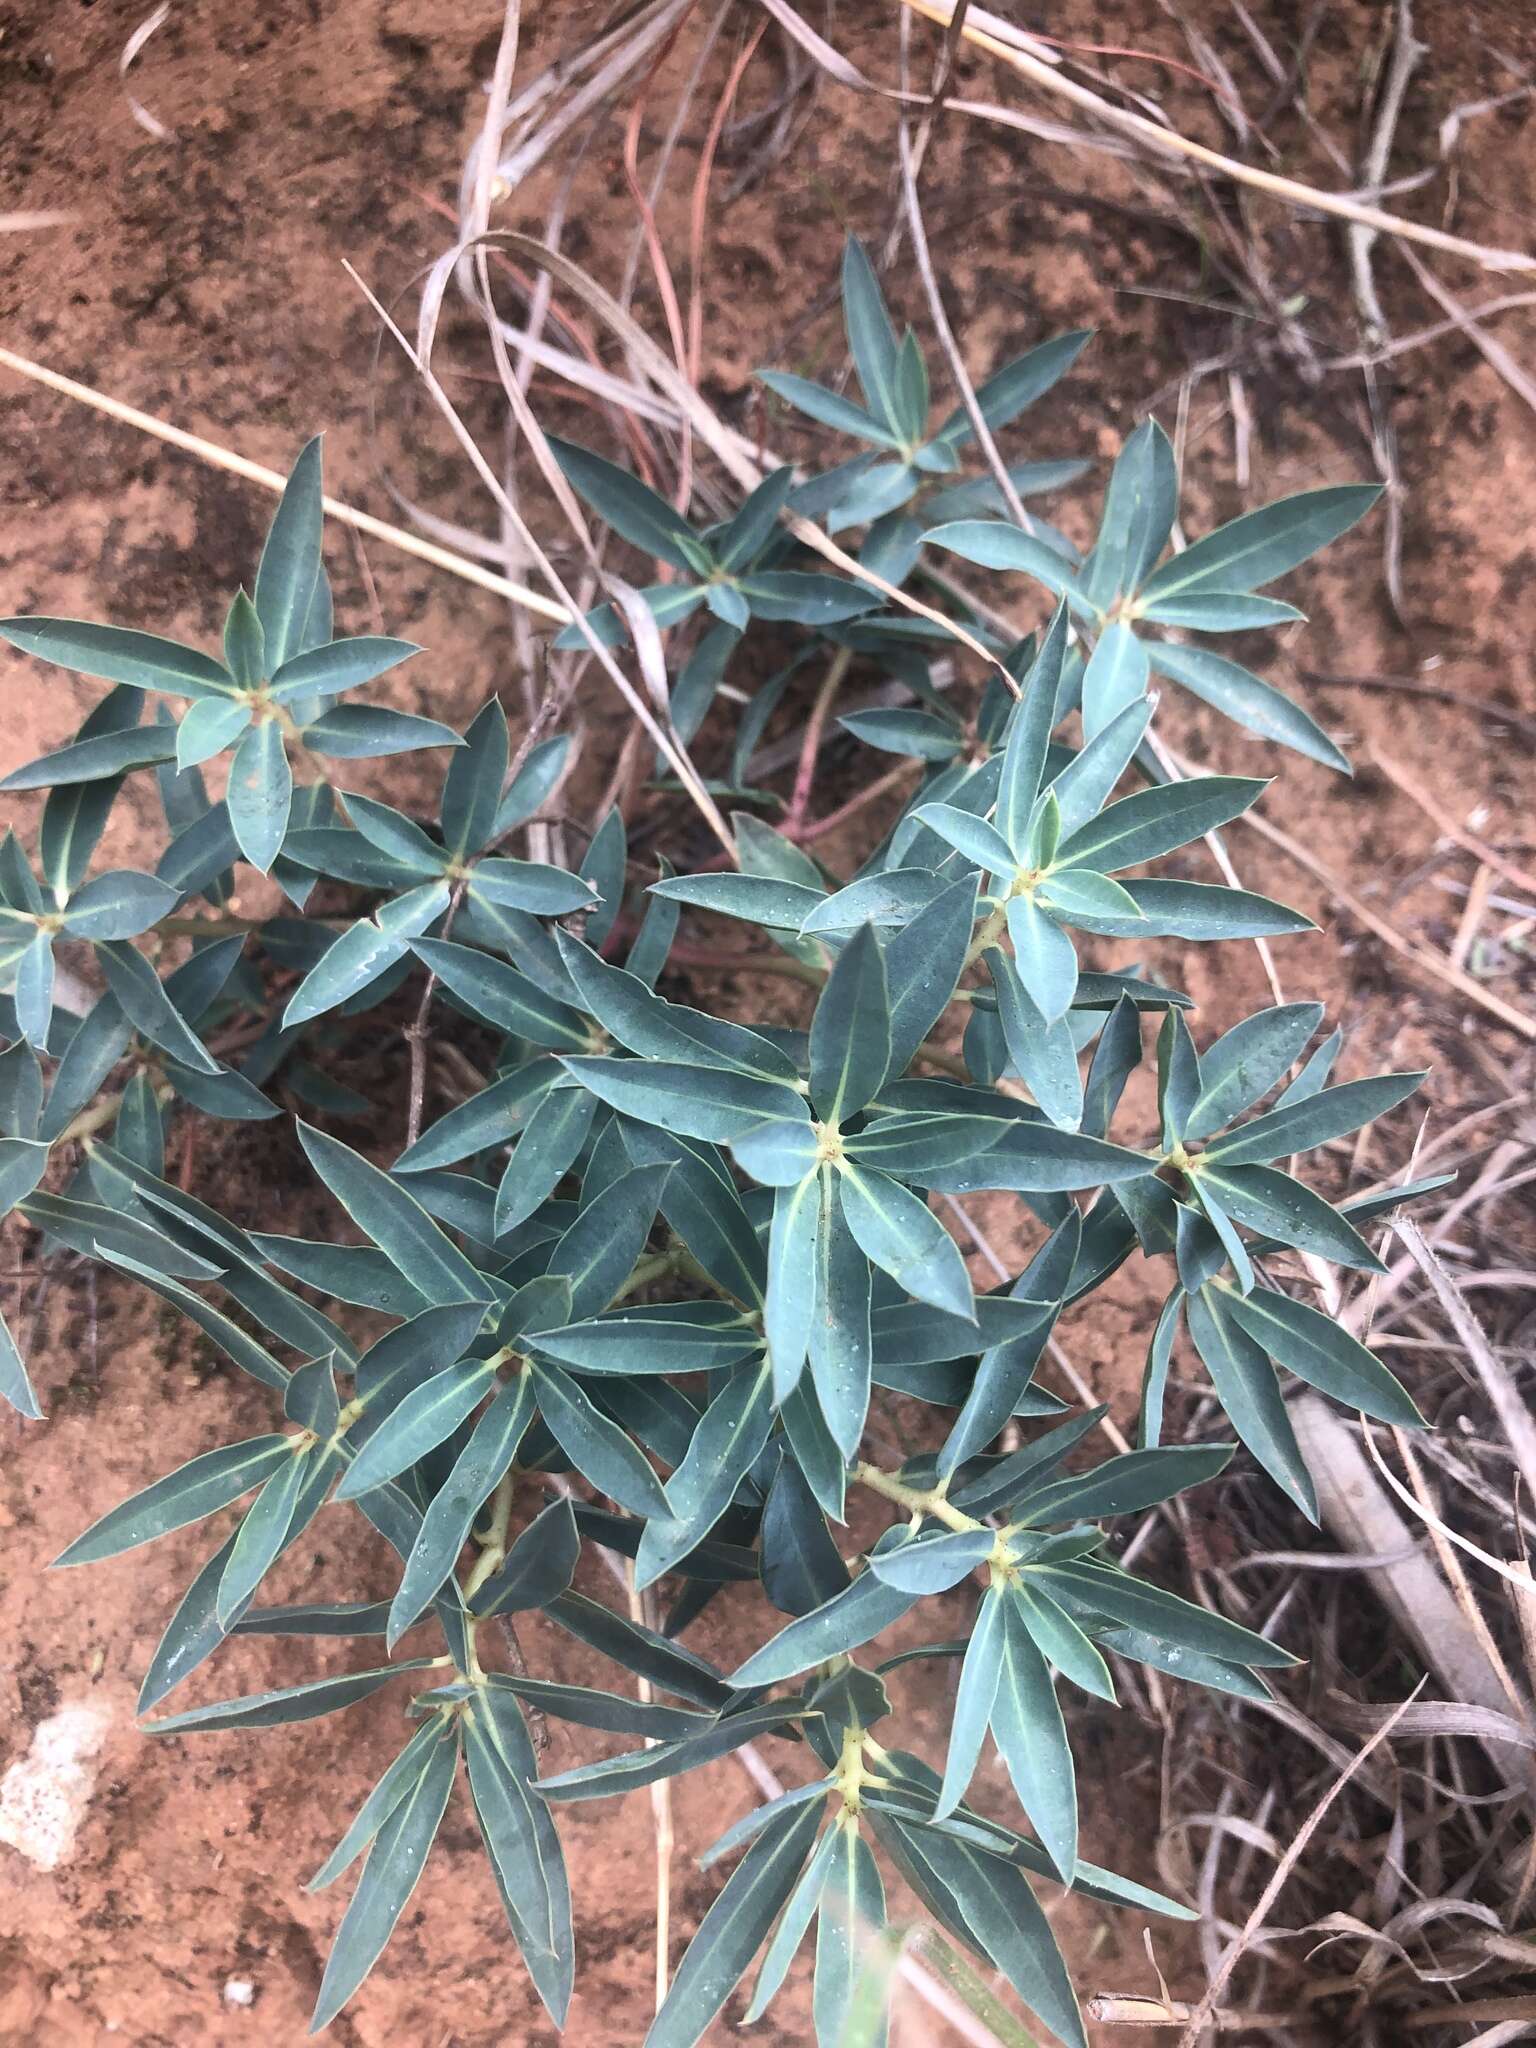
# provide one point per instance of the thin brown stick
(1468, 840)
(679, 760)
(257, 473)
(1203, 2013)
(1169, 142)
(810, 746)
(1426, 961)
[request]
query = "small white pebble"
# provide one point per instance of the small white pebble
(239, 1991)
(43, 1796)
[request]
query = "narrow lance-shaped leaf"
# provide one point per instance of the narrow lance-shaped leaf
(522, 1844)
(851, 1031)
(1246, 1386)
(840, 1342)
(381, 1802)
(795, 1920)
(395, 1863)
(262, 1534)
(119, 655)
(446, 1525)
(201, 1487)
(1029, 735)
(791, 1294)
(290, 562)
(850, 1920)
(901, 1234)
(307, 1702)
(426, 1417)
(980, 1675)
(1264, 544)
(1032, 1741)
(598, 1448)
(1319, 1350)
(733, 1930)
(725, 1446)
(395, 1221)
(1299, 1126)
(1246, 1062)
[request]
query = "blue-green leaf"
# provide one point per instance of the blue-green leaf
(395, 1221)
(827, 407)
(119, 655)
(1115, 678)
(1246, 1062)
(974, 837)
(445, 1526)
(502, 996)
(1044, 958)
(1031, 1738)
(658, 1030)
(381, 1802)
(528, 885)
(364, 951)
(902, 731)
(932, 1564)
(627, 505)
(260, 793)
(725, 1446)
(850, 1920)
(1247, 699)
(149, 1007)
(851, 1033)
(1262, 545)
(539, 1566)
(1267, 1200)
(839, 1343)
(201, 1487)
(89, 759)
(1246, 1386)
(1029, 737)
(340, 665)
(901, 1234)
(521, 1841)
(264, 1531)
(290, 568)
(980, 1675)
(871, 338)
(553, 1136)
(1299, 1126)
(1156, 821)
(1319, 1350)
(395, 1863)
(1139, 510)
(426, 1417)
(854, 1616)
(693, 1102)
(791, 1292)
(208, 727)
(733, 1929)
(1044, 1054)
(307, 1702)
(598, 1448)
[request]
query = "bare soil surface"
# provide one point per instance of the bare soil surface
(200, 279)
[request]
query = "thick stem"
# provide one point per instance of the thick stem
(493, 1552)
(656, 1267)
(916, 1500)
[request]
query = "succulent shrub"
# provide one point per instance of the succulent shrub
(638, 1288)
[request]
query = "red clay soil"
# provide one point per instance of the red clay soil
(200, 279)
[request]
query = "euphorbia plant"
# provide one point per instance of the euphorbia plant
(639, 1288)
